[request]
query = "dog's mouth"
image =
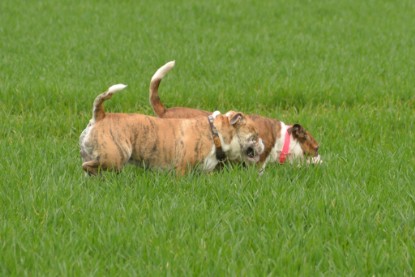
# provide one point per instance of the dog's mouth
(253, 151)
(251, 154)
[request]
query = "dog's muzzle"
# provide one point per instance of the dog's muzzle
(253, 151)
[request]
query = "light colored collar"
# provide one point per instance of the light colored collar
(286, 147)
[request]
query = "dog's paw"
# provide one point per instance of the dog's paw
(315, 160)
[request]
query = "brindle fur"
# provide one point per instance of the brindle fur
(113, 139)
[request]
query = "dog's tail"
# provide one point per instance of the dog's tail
(98, 108)
(155, 102)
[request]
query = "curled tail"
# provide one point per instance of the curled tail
(155, 102)
(98, 108)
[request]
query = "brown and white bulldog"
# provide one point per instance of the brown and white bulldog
(282, 142)
(113, 139)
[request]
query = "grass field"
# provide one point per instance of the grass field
(343, 69)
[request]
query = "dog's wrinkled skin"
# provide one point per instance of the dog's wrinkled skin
(113, 139)
(303, 146)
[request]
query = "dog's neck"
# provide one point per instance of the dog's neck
(285, 147)
(220, 154)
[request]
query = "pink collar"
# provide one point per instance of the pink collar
(286, 147)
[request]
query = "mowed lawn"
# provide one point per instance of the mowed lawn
(343, 69)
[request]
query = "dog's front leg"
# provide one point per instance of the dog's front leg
(262, 167)
(180, 170)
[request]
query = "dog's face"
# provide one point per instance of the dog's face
(308, 144)
(243, 138)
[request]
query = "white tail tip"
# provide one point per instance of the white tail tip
(116, 88)
(162, 71)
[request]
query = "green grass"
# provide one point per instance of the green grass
(343, 69)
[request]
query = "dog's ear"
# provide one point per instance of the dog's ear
(298, 131)
(235, 118)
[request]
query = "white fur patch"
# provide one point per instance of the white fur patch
(162, 71)
(233, 150)
(210, 162)
(294, 151)
(84, 138)
(215, 114)
(261, 146)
